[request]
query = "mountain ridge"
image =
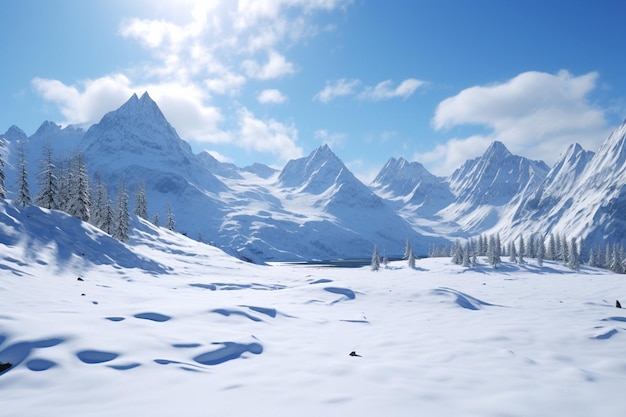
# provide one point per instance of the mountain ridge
(315, 208)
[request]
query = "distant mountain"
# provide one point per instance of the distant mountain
(411, 188)
(14, 134)
(315, 208)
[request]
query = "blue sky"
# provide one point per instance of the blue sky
(271, 80)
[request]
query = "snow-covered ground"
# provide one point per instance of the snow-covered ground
(167, 326)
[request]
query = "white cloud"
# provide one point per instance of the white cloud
(183, 105)
(267, 136)
(342, 87)
(276, 67)
(271, 96)
(331, 139)
(382, 91)
(535, 114)
(385, 91)
(87, 102)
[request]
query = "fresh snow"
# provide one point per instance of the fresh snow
(164, 325)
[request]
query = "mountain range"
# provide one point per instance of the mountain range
(316, 209)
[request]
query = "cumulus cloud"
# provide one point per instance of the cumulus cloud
(268, 136)
(385, 90)
(88, 101)
(342, 87)
(271, 96)
(183, 105)
(201, 55)
(535, 114)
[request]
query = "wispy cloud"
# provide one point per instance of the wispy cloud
(342, 87)
(332, 139)
(385, 90)
(535, 114)
(381, 91)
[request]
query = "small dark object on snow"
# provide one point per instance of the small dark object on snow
(353, 353)
(617, 304)
(82, 295)
(80, 279)
(5, 366)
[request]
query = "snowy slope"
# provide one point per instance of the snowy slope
(167, 326)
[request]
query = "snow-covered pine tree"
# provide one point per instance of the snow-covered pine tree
(122, 217)
(573, 261)
(80, 195)
(100, 198)
(551, 249)
(155, 219)
(522, 251)
(48, 188)
(532, 251)
(169, 222)
(457, 253)
(512, 252)
(407, 250)
(375, 263)
(141, 204)
(411, 260)
(108, 219)
(565, 249)
(466, 254)
(540, 250)
(23, 191)
(3, 189)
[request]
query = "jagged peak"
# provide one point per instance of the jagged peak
(497, 148)
(14, 133)
(47, 126)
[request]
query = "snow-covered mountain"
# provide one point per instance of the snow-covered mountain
(315, 208)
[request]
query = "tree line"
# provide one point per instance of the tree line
(65, 186)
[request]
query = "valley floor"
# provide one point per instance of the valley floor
(211, 336)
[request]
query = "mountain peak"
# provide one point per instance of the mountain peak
(48, 127)
(14, 133)
(497, 149)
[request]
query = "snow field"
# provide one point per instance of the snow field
(197, 333)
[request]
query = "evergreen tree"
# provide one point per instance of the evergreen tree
(565, 255)
(3, 190)
(411, 260)
(540, 250)
(80, 200)
(457, 253)
(407, 250)
(573, 261)
(375, 264)
(493, 251)
(170, 223)
(522, 251)
(108, 218)
(23, 194)
(101, 197)
(141, 205)
(512, 252)
(65, 181)
(551, 249)
(532, 251)
(155, 219)
(48, 189)
(466, 255)
(122, 219)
